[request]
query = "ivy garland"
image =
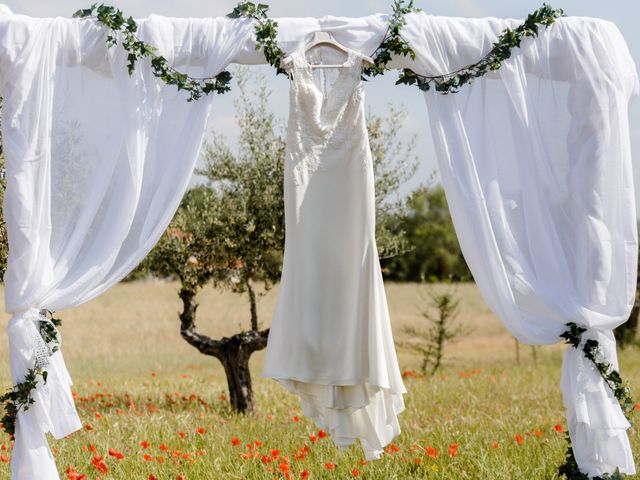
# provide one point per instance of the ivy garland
(619, 388)
(266, 32)
(492, 61)
(393, 43)
(19, 396)
(125, 28)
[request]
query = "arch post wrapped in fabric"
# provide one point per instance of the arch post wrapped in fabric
(97, 163)
(535, 160)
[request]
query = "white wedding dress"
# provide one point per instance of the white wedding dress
(330, 340)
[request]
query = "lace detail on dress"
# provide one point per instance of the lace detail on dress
(324, 115)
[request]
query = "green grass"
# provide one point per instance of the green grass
(137, 380)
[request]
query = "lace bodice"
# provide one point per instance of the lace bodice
(326, 111)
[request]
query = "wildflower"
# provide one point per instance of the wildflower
(537, 432)
(431, 452)
(201, 430)
(330, 466)
(296, 418)
(558, 428)
(257, 443)
(99, 464)
(199, 453)
(4, 459)
(313, 438)
(163, 447)
(275, 453)
(153, 477)
(322, 434)
(393, 448)
(154, 374)
(98, 415)
(144, 444)
(304, 474)
(363, 462)
(180, 477)
(182, 434)
(355, 472)
(160, 459)
(284, 467)
(116, 454)
(93, 448)
(235, 441)
(147, 457)
(519, 439)
(453, 449)
(495, 445)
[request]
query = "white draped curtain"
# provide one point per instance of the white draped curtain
(97, 163)
(535, 161)
(536, 164)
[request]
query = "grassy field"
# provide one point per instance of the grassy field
(144, 393)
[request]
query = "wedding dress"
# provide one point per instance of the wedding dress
(330, 341)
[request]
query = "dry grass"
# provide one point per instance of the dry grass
(482, 397)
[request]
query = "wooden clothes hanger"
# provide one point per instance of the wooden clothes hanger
(325, 38)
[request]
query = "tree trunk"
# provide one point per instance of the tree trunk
(253, 304)
(233, 352)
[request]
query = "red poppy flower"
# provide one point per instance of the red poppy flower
(313, 438)
(153, 477)
(145, 444)
(495, 445)
(163, 447)
(330, 466)
(519, 439)
(355, 472)
(304, 474)
(322, 434)
(116, 454)
(558, 428)
(182, 434)
(201, 430)
(432, 452)
(235, 441)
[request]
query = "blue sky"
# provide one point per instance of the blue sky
(381, 92)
